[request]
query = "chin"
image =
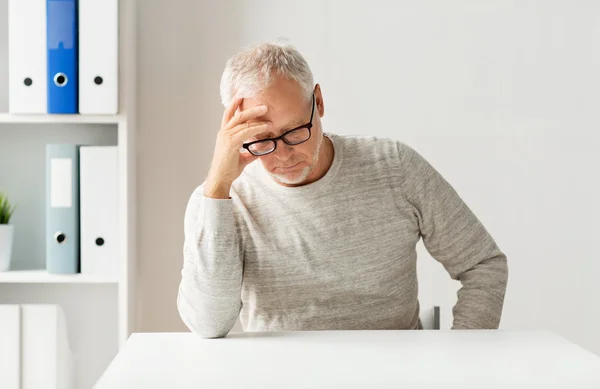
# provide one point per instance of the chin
(292, 178)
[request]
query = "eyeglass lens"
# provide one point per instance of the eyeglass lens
(294, 137)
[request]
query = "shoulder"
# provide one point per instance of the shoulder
(376, 151)
(366, 144)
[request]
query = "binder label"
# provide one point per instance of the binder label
(61, 35)
(61, 180)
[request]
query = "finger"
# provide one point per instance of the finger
(246, 125)
(230, 111)
(248, 114)
(244, 133)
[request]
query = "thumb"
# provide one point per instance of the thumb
(246, 158)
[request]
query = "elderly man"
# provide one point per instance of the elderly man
(296, 228)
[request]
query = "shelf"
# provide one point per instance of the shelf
(75, 118)
(42, 276)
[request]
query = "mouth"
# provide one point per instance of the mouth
(288, 167)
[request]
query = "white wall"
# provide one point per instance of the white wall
(502, 97)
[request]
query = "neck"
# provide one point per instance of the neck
(324, 162)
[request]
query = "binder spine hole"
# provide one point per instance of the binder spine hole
(98, 80)
(28, 81)
(99, 241)
(60, 79)
(60, 237)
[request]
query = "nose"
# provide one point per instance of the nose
(283, 150)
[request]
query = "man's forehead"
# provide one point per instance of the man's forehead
(277, 102)
(275, 106)
(283, 115)
(276, 130)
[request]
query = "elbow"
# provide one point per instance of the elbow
(207, 330)
(502, 266)
(495, 275)
(210, 333)
(203, 322)
(490, 274)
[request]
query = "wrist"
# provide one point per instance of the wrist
(217, 190)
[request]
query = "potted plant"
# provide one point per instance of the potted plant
(6, 232)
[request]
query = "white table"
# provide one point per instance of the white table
(479, 359)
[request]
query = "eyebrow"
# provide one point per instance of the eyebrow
(290, 126)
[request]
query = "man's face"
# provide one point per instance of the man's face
(288, 109)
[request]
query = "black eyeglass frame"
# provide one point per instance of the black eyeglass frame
(282, 136)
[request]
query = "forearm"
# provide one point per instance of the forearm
(481, 297)
(209, 297)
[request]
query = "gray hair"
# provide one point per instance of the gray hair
(253, 70)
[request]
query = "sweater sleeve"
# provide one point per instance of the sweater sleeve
(455, 237)
(209, 296)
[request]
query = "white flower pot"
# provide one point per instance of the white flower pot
(6, 243)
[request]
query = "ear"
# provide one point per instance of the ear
(319, 100)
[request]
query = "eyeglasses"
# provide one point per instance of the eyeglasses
(292, 137)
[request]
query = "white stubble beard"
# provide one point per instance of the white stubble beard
(304, 173)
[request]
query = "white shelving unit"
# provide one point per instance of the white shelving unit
(96, 332)
(43, 277)
(60, 119)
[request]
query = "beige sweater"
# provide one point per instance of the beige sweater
(337, 254)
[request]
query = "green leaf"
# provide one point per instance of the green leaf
(6, 209)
